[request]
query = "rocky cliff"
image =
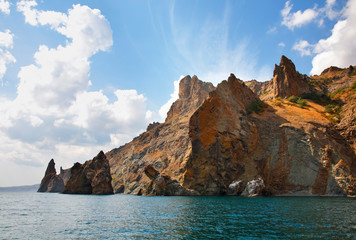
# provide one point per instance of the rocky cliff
(52, 182)
(286, 82)
(166, 146)
(293, 135)
(92, 177)
(220, 134)
(225, 140)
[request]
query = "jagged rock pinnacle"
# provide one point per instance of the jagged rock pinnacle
(287, 81)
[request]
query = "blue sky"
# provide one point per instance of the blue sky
(81, 76)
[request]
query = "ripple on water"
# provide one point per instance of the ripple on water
(58, 216)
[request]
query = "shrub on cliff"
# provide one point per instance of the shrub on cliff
(256, 106)
(301, 102)
(293, 99)
(298, 100)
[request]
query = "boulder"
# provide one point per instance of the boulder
(235, 188)
(162, 185)
(254, 188)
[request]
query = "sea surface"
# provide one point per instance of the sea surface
(29, 215)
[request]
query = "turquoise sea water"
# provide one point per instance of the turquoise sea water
(28, 215)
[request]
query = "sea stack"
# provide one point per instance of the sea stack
(92, 177)
(51, 182)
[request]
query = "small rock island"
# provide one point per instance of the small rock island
(92, 177)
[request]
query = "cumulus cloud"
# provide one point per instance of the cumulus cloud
(6, 42)
(92, 110)
(6, 39)
(339, 49)
(297, 19)
(174, 96)
(303, 47)
(317, 14)
(4, 7)
(54, 114)
(35, 17)
(55, 86)
(51, 84)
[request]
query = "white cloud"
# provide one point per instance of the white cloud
(340, 48)
(54, 114)
(6, 41)
(299, 18)
(35, 17)
(329, 11)
(174, 96)
(5, 59)
(281, 44)
(303, 47)
(55, 87)
(51, 84)
(92, 110)
(4, 7)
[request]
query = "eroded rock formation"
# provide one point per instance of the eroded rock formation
(51, 182)
(286, 82)
(92, 177)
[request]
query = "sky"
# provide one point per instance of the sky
(77, 77)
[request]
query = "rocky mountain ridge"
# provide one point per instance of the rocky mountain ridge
(293, 135)
(225, 140)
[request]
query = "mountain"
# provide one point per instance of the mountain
(292, 135)
(27, 188)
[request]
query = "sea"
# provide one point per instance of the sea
(31, 215)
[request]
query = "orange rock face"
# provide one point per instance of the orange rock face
(211, 145)
(220, 136)
(166, 147)
(286, 82)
